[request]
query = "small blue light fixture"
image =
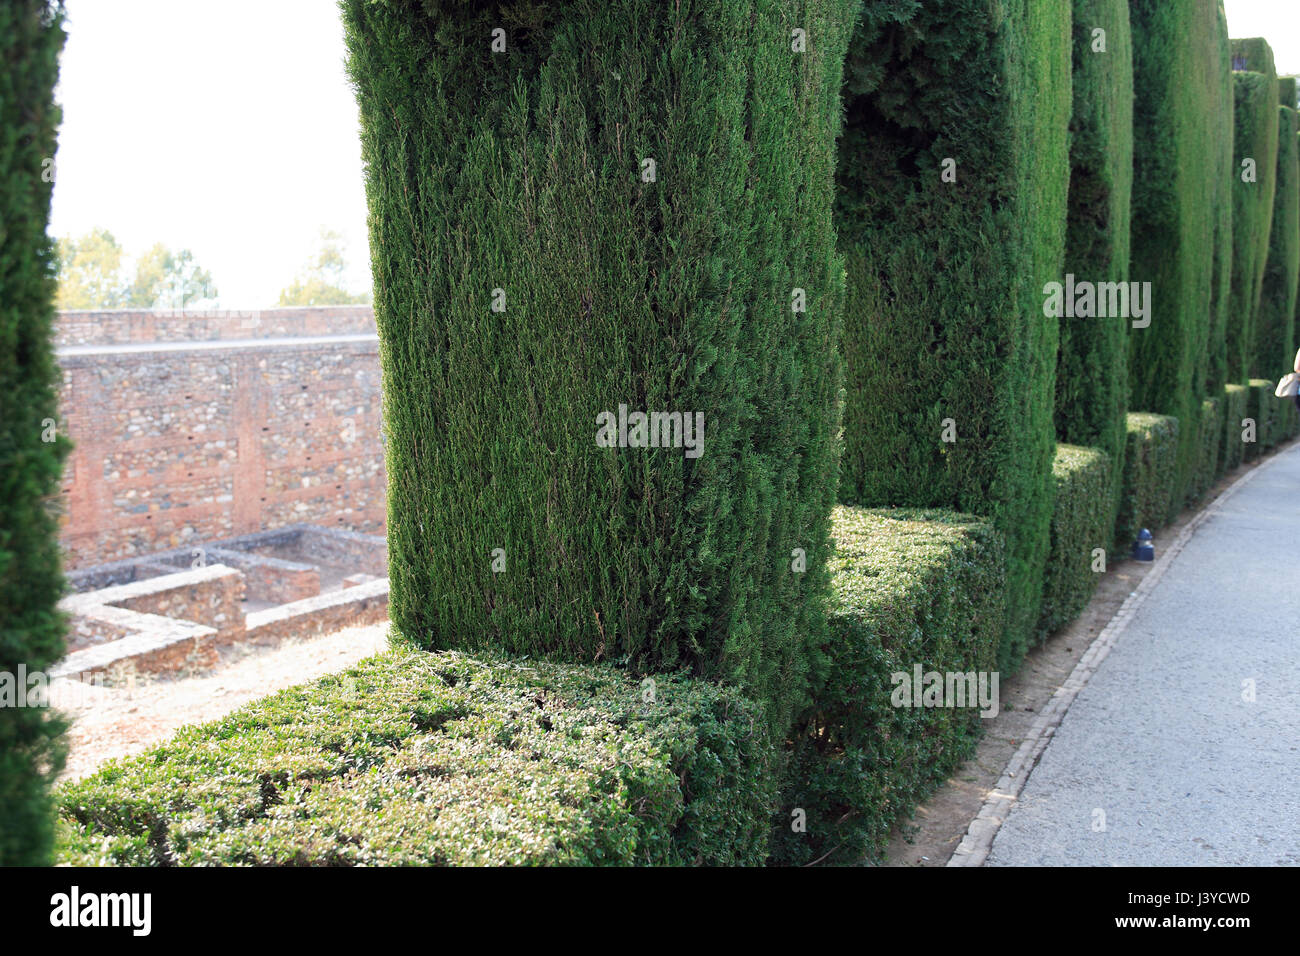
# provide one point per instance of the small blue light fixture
(1143, 548)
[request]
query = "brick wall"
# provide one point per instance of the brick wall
(182, 442)
(136, 327)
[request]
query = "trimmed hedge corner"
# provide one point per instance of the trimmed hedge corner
(601, 218)
(912, 588)
(31, 582)
(1149, 462)
(1236, 400)
(439, 758)
(1082, 521)
(953, 175)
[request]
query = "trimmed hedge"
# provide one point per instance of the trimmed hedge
(1275, 336)
(1236, 401)
(1148, 474)
(1092, 360)
(525, 171)
(31, 454)
(911, 588)
(1211, 444)
(1222, 121)
(1177, 64)
(414, 758)
(1082, 521)
(1256, 138)
(1261, 405)
(945, 332)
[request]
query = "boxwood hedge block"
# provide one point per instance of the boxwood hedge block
(414, 758)
(1082, 523)
(1208, 466)
(31, 630)
(913, 588)
(1234, 447)
(1254, 186)
(1092, 360)
(1149, 464)
(953, 179)
(603, 221)
(1178, 86)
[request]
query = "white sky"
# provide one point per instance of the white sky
(228, 128)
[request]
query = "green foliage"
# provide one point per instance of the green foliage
(323, 282)
(1149, 462)
(1275, 343)
(911, 588)
(31, 454)
(1220, 130)
(1092, 362)
(1209, 463)
(93, 274)
(413, 758)
(944, 321)
(524, 171)
(1235, 402)
(1178, 217)
(1082, 521)
(1263, 407)
(1256, 142)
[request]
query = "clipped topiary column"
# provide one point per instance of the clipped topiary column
(1275, 338)
(608, 301)
(1180, 126)
(953, 179)
(31, 450)
(1092, 360)
(1254, 184)
(1219, 143)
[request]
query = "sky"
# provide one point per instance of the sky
(228, 127)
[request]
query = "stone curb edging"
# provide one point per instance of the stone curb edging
(978, 841)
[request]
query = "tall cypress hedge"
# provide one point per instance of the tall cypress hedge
(1275, 336)
(1220, 142)
(945, 335)
(31, 453)
(534, 271)
(1256, 94)
(1092, 363)
(1177, 60)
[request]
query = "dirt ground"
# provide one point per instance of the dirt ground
(940, 823)
(122, 720)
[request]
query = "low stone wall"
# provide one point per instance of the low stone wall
(351, 607)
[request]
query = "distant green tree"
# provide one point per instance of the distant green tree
(322, 282)
(93, 274)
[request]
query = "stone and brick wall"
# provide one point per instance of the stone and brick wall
(178, 442)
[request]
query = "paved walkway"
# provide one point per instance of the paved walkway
(1161, 760)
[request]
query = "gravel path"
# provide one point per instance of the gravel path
(121, 721)
(1162, 760)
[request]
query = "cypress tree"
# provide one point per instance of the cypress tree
(599, 209)
(1092, 363)
(1177, 60)
(954, 174)
(31, 451)
(1275, 339)
(1220, 144)
(1255, 150)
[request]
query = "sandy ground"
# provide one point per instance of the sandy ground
(939, 824)
(122, 720)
